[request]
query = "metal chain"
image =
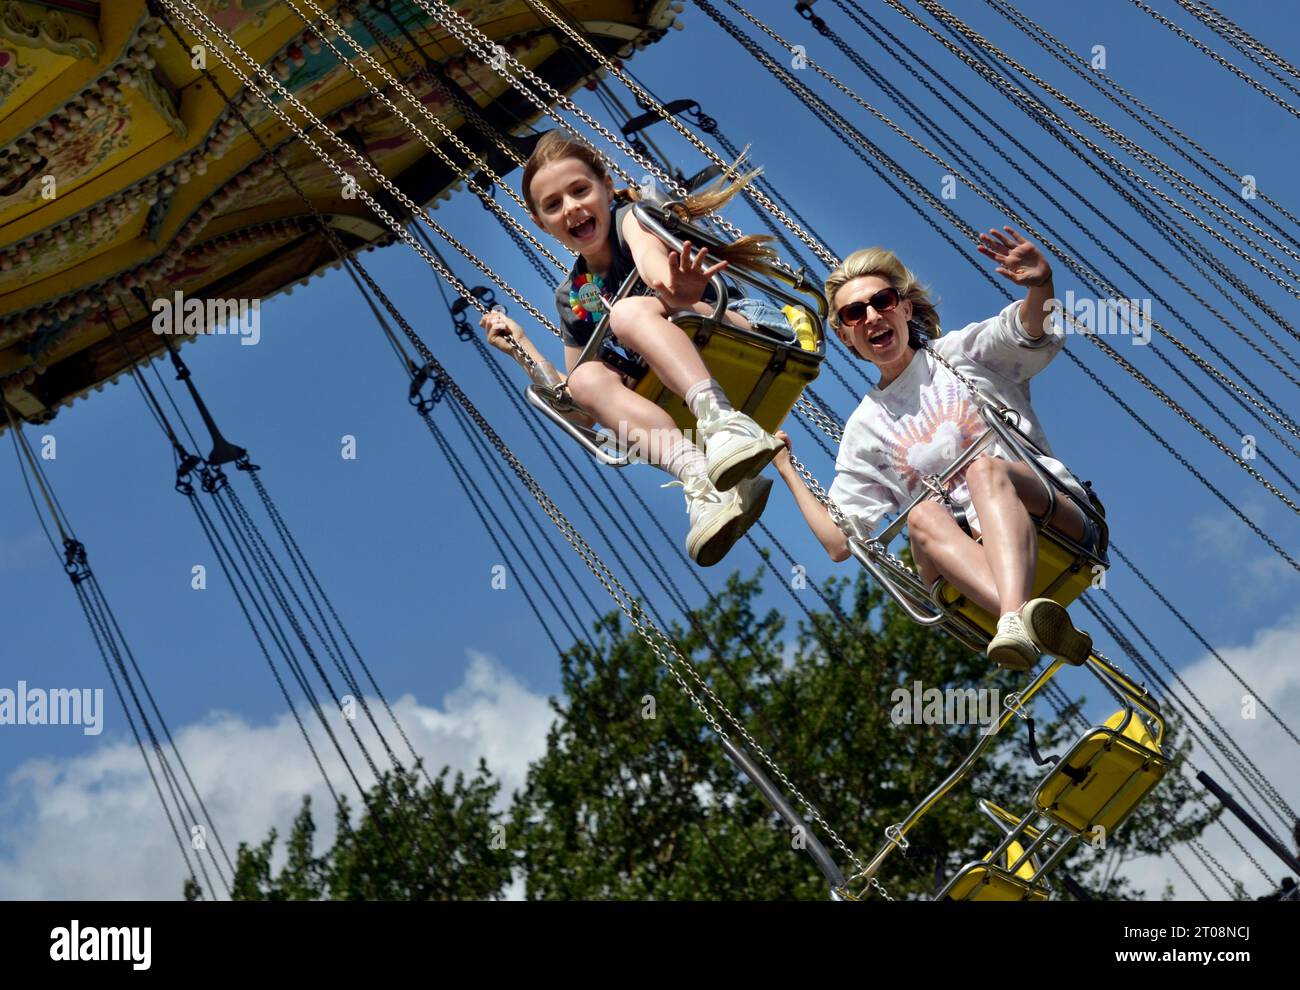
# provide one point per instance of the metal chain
(1172, 176)
(854, 11)
(361, 160)
(468, 110)
(942, 15)
(1220, 24)
(1204, 365)
(1105, 347)
(842, 127)
(428, 115)
(629, 606)
(819, 493)
(1205, 50)
(498, 58)
(1067, 57)
(1064, 52)
(828, 425)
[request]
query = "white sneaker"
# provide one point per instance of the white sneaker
(736, 446)
(1011, 646)
(1048, 624)
(719, 519)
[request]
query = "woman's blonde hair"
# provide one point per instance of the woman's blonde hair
(883, 263)
(750, 251)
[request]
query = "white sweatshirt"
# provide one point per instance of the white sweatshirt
(918, 424)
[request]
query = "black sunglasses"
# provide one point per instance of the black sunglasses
(882, 302)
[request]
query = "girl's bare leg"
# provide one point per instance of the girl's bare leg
(640, 323)
(599, 389)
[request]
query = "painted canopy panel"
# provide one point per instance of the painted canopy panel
(126, 173)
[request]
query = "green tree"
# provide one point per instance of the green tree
(416, 840)
(634, 797)
(623, 805)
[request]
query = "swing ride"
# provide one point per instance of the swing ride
(305, 133)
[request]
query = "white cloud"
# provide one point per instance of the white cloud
(90, 826)
(1259, 575)
(1268, 665)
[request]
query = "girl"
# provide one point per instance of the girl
(571, 196)
(920, 417)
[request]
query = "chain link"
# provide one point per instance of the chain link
(469, 110)
(498, 59)
(1106, 348)
(1206, 50)
(1199, 361)
(1240, 38)
(362, 162)
(956, 24)
(431, 117)
(1084, 70)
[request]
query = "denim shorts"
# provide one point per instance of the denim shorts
(760, 312)
(1091, 534)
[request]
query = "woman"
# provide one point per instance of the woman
(921, 416)
(570, 194)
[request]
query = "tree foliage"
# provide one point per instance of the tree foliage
(635, 799)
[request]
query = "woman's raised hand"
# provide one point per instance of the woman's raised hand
(1018, 259)
(688, 275)
(500, 330)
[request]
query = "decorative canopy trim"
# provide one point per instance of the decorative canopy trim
(29, 26)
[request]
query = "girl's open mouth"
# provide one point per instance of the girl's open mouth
(584, 231)
(882, 339)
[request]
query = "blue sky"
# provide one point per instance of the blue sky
(405, 558)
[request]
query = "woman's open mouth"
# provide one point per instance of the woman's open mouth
(881, 339)
(584, 231)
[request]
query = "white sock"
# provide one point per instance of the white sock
(706, 397)
(684, 460)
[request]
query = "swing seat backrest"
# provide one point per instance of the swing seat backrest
(762, 374)
(988, 881)
(1103, 777)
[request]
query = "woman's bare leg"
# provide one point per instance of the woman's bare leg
(1004, 494)
(941, 547)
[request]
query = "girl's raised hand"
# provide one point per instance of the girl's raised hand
(500, 330)
(688, 275)
(1018, 259)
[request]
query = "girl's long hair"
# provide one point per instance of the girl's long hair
(751, 251)
(883, 263)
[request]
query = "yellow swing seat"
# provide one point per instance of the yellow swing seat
(987, 881)
(1103, 777)
(1064, 572)
(1006, 873)
(762, 374)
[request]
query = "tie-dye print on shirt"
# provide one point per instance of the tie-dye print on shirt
(918, 425)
